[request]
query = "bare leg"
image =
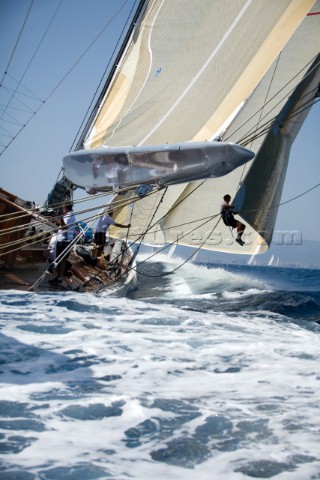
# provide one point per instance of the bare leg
(240, 229)
(78, 274)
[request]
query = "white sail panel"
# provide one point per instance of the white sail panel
(292, 64)
(189, 66)
(185, 82)
(145, 215)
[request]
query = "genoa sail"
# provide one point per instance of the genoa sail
(196, 73)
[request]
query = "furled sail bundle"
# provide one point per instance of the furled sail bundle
(202, 71)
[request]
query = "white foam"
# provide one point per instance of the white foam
(158, 363)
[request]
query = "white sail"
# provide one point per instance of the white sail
(189, 70)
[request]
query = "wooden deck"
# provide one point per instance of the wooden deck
(24, 267)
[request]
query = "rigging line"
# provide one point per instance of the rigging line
(287, 201)
(187, 223)
(130, 220)
(88, 48)
(192, 255)
(260, 117)
(112, 207)
(17, 98)
(32, 58)
(283, 203)
(7, 133)
(66, 74)
(266, 127)
(151, 219)
(56, 206)
(43, 234)
(43, 219)
(267, 93)
(18, 248)
(15, 214)
(14, 120)
(17, 42)
(198, 226)
(117, 203)
(103, 75)
(41, 222)
(172, 243)
(273, 97)
(297, 196)
(31, 95)
(24, 242)
(167, 213)
(94, 197)
(59, 258)
(15, 136)
(25, 213)
(16, 108)
(296, 113)
(27, 241)
(25, 226)
(141, 236)
(36, 211)
(47, 232)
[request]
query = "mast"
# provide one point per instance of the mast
(79, 142)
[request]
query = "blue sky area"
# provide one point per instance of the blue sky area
(53, 42)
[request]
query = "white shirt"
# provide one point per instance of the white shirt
(225, 210)
(222, 208)
(52, 246)
(104, 222)
(70, 221)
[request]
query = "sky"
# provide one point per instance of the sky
(58, 77)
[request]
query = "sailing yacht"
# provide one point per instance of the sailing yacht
(205, 98)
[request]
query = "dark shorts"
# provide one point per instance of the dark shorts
(100, 238)
(230, 221)
(61, 246)
(68, 266)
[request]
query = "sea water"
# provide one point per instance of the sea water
(207, 372)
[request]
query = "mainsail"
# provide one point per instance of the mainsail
(200, 71)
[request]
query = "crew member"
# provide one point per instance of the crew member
(227, 213)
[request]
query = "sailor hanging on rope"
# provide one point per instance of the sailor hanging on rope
(227, 213)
